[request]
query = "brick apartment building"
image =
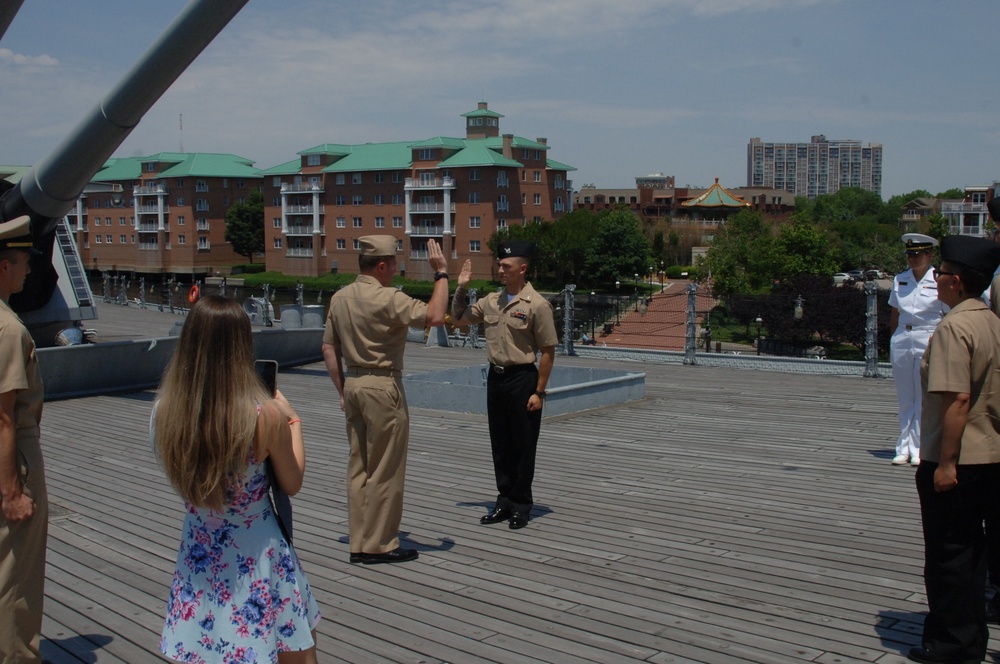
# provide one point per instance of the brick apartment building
(167, 217)
(458, 191)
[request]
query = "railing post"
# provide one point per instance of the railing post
(690, 342)
(568, 322)
(871, 330)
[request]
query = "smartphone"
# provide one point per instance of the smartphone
(268, 372)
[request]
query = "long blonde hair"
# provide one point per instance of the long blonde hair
(207, 412)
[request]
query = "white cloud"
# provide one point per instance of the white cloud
(9, 57)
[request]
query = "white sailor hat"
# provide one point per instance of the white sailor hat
(918, 242)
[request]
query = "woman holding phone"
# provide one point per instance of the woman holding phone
(238, 591)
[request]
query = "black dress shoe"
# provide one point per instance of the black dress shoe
(496, 516)
(928, 656)
(356, 557)
(397, 555)
(517, 520)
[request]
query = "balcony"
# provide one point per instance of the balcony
(418, 255)
(503, 207)
(301, 187)
(299, 252)
(152, 227)
(148, 246)
(72, 212)
(149, 191)
(963, 207)
(151, 209)
(429, 183)
(303, 209)
(301, 229)
(429, 207)
(427, 229)
(203, 226)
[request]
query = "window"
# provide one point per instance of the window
(133, 238)
(524, 175)
(538, 176)
(150, 166)
(275, 181)
(181, 239)
(200, 185)
(180, 200)
(379, 222)
(225, 183)
(122, 239)
(525, 154)
(397, 222)
(202, 205)
(180, 220)
(379, 199)
(558, 182)
(538, 199)
(474, 246)
(397, 199)
(341, 243)
(379, 177)
(357, 245)
(357, 222)
(203, 243)
(276, 222)
(311, 160)
(202, 224)
(502, 205)
(241, 184)
(121, 221)
(426, 154)
(98, 238)
(339, 179)
(473, 174)
(97, 221)
(341, 222)
(502, 179)
(524, 199)
(340, 200)
(355, 178)
(356, 199)
(474, 197)
(277, 243)
(474, 222)
(109, 238)
(397, 176)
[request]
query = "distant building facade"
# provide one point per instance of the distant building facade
(815, 168)
(457, 191)
(969, 216)
(168, 217)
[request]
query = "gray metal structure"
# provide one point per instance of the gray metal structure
(56, 293)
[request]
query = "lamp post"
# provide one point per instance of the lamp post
(663, 275)
(593, 313)
(798, 312)
(635, 289)
(650, 281)
(758, 322)
(618, 301)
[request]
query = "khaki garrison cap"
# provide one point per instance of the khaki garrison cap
(377, 245)
(16, 234)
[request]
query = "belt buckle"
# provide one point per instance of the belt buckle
(498, 369)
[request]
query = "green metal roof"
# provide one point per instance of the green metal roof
(716, 196)
(478, 154)
(441, 142)
(482, 113)
(288, 168)
(558, 166)
(520, 142)
(374, 157)
(185, 164)
(329, 148)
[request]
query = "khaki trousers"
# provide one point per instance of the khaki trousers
(378, 428)
(22, 563)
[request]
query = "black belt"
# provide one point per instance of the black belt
(513, 368)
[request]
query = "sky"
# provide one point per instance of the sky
(620, 88)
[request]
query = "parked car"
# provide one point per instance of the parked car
(842, 278)
(857, 275)
(875, 274)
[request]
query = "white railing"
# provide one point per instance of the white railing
(308, 186)
(430, 183)
(151, 209)
(145, 246)
(963, 207)
(503, 207)
(418, 255)
(429, 207)
(300, 230)
(427, 230)
(299, 252)
(148, 228)
(203, 226)
(149, 191)
(303, 209)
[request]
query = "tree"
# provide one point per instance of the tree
(803, 249)
(245, 226)
(952, 193)
(618, 248)
(742, 257)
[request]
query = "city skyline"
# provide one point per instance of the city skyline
(620, 90)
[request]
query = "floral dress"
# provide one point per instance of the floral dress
(238, 594)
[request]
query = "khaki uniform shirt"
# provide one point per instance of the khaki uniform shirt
(517, 331)
(964, 357)
(19, 372)
(368, 323)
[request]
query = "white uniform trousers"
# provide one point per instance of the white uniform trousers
(906, 370)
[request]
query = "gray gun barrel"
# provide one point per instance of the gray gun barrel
(8, 10)
(48, 191)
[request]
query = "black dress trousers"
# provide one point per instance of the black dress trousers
(513, 434)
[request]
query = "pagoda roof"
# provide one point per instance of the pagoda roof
(716, 196)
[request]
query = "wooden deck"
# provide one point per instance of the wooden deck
(730, 516)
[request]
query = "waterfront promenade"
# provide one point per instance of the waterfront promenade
(729, 516)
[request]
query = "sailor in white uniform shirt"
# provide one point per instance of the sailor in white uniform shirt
(916, 311)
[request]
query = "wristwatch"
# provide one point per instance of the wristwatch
(541, 394)
(440, 275)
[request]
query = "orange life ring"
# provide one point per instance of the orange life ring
(193, 294)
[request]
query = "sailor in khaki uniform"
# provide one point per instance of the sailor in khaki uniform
(958, 479)
(519, 326)
(366, 330)
(24, 502)
(916, 311)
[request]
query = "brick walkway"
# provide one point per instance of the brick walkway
(662, 326)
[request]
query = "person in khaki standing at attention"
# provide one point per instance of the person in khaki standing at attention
(25, 507)
(366, 330)
(519, 326)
